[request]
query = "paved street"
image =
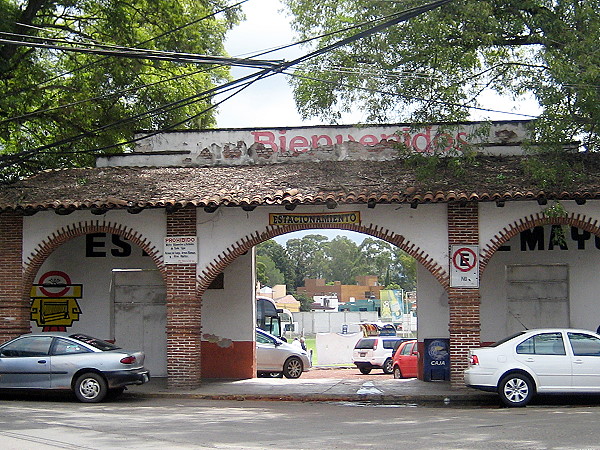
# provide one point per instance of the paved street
(34, 423)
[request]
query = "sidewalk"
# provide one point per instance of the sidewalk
(388, 391)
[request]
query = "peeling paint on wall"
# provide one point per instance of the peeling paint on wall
(214, 339)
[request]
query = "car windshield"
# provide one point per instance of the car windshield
(94, 342)
(506, 339)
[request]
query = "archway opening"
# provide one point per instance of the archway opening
(220, 350)
(103, 284)
(540, 277)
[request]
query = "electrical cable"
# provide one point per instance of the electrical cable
(84, 66)
(9, 159)
(266, 72)
(254, 54)
(136, 53)
(166, 33)
(396, 94)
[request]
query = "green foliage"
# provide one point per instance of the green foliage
(341, 259)
(49, 96)
(266, 272)
(553, 169)
(428, 68)
(559, 233)
(305, 302)
(306, 258)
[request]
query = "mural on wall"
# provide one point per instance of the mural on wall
(54, 304)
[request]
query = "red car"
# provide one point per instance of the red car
(405, 360)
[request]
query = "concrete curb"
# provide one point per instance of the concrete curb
(425, 400)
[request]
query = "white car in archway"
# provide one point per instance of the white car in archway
(276, 358)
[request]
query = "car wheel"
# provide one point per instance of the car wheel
(293, 367)
(364, 370)
(397, 372)
(388, 366)
(515, 389)
(90, 388)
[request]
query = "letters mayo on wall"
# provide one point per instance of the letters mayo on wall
(318, 143)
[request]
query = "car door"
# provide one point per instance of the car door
(268, 356)
(545, 356)
(408, 360)
(25, 363)
(585, 362)
(66, 358)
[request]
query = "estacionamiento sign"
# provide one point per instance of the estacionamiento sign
(351, 217)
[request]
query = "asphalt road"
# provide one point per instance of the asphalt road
(130, 423)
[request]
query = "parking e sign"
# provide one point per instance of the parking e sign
(464, 266)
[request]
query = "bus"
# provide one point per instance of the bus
(271, 319)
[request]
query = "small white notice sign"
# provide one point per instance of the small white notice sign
(464, 266)
(181, 250)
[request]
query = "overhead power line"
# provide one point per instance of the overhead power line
(136, 53)
(166, 33)
(397, 94)
(6, 160)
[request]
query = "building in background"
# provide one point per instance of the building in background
(366, 287)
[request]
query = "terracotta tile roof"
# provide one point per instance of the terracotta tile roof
(491, 178)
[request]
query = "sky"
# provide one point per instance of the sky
(270, 102)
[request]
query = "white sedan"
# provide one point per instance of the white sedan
(275, 357)
(537, 361)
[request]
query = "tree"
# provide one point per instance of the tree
(267, 273)
(378, 257)
(305, 302)
(275, 252)
(84, 101)
(429, 68)
(307, 258)
(343, 258)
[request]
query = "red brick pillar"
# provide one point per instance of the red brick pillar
(14, 303)
(183, 310)
(465, 321)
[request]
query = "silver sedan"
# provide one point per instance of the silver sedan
(275, 357)
(90, 367)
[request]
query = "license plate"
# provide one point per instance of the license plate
(363, 354)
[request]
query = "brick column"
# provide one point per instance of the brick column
(464, 303)
(183, 310)
(14, 304)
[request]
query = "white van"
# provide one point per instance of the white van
(375, 352)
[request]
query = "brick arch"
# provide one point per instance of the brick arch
(34, 262)
(246, 243)
(576, 220)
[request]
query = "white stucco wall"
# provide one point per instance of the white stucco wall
(151, 223)
(493, 219)
(433, 313)
(583, 285)
(95, 274)
(230, 313)
(425, 226)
